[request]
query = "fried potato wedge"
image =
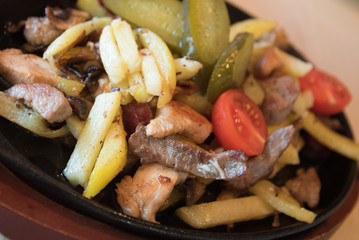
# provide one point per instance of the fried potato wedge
(88, 146)
(257, 27)
(224, 212)
(111, 160)
(71, 35)
(164, 60)
(281, 201)
(329, 138)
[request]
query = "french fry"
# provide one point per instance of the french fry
(303, 103)
(88, 146)
(330, 138)
(224, 212)
(292, 65)
(165, 63)
(152, 76)
(257, 27)
(111, 160)
(75, 125)
(186, 68)
(281, 201)
(126, 44)
(114, 64)
(289, 157)
(18, 113)
(69, 87)
(138, 89)
(72, 34)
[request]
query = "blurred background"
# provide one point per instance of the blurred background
(326, 32)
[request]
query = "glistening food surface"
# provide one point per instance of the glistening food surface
(160, 215)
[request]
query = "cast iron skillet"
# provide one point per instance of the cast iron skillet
(39, 162)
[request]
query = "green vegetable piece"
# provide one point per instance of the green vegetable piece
(164, 17)
(206, 26)
(231, 67)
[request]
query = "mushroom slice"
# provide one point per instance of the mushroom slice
(65, 18)
(178, 118)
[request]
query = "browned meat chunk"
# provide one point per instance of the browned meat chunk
(280, 94)
(39, 31)
(184, 156)
(143, 195)
(261, 166)
(49, 102)
(305, 187)
(267, 63)
(17, 67)
(178, 118)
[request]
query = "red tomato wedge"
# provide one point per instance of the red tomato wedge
(330, 95)
(238, 123)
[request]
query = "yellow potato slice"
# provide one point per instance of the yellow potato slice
(224, 212)
(152, 76)
(88, 146)
(72, 34)
(281, 201)
(165, 63)
(138, 89)
(257, 27)
(126, 44)
(115, 66)
(111, 160)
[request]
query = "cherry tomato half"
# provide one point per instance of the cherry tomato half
(330, 95)
(238, 123)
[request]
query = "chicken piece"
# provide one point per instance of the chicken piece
(305, 187)
(143, 195)
(17, 67)
(49, 102)
(178, 118)
(39, 31)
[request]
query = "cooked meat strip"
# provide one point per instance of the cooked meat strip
(280, 94)
(194, 190)
(184, 156)
(40, 31)
(261, 166)
(49, 102)
(143, 195)
(305, 187)
(178, 118)
(17, 67)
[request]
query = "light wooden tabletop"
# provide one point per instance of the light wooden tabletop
(326, 32)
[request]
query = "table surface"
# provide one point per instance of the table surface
(316, 28)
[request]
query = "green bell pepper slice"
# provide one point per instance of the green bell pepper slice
(231, 67)
(206, 26)
(164, 17)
